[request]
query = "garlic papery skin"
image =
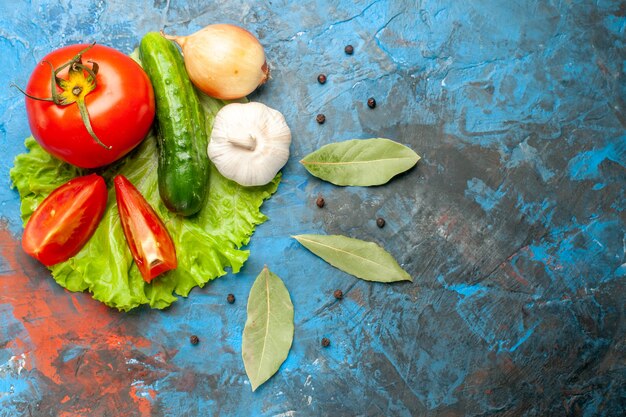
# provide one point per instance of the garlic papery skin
(224, 61)
(249, 143)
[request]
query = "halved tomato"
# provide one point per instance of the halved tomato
(149, 241)
(65, 220)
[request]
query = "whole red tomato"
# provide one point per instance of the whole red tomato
(118, 105)
(65, 220)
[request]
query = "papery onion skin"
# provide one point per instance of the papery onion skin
(224, 61)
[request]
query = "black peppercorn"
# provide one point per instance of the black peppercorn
(230, 298)
(349, 49)
(325, 342)
(371, 102)
(380, 222)
(321, 79)
(320, 202)
(194, 340)
(338, 294)
(320, 118)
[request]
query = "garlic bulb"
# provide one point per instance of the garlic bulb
(249, 143)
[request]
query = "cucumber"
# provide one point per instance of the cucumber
(183, 170)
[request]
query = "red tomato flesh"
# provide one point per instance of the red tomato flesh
(121, 108)
(149, 241)
(65, 220)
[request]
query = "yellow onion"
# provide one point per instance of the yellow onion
(224, 61)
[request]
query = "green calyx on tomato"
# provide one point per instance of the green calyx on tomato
(75, 88)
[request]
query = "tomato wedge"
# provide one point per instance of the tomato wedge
(149, 241)
(65, 220)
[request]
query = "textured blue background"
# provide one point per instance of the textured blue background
(512, 225)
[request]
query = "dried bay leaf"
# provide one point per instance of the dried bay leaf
(360, 162)
(365, 260)
(268, 333)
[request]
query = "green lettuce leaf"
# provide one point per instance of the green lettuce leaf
(206, 244)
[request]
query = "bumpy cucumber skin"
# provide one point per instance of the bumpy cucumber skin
(183, 169)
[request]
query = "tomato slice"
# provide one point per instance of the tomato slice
(65, 220)
(149, 241)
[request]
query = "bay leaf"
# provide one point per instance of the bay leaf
(268, 333)
(365, 260)
(360, 162)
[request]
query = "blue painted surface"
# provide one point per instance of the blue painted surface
(512, 224)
